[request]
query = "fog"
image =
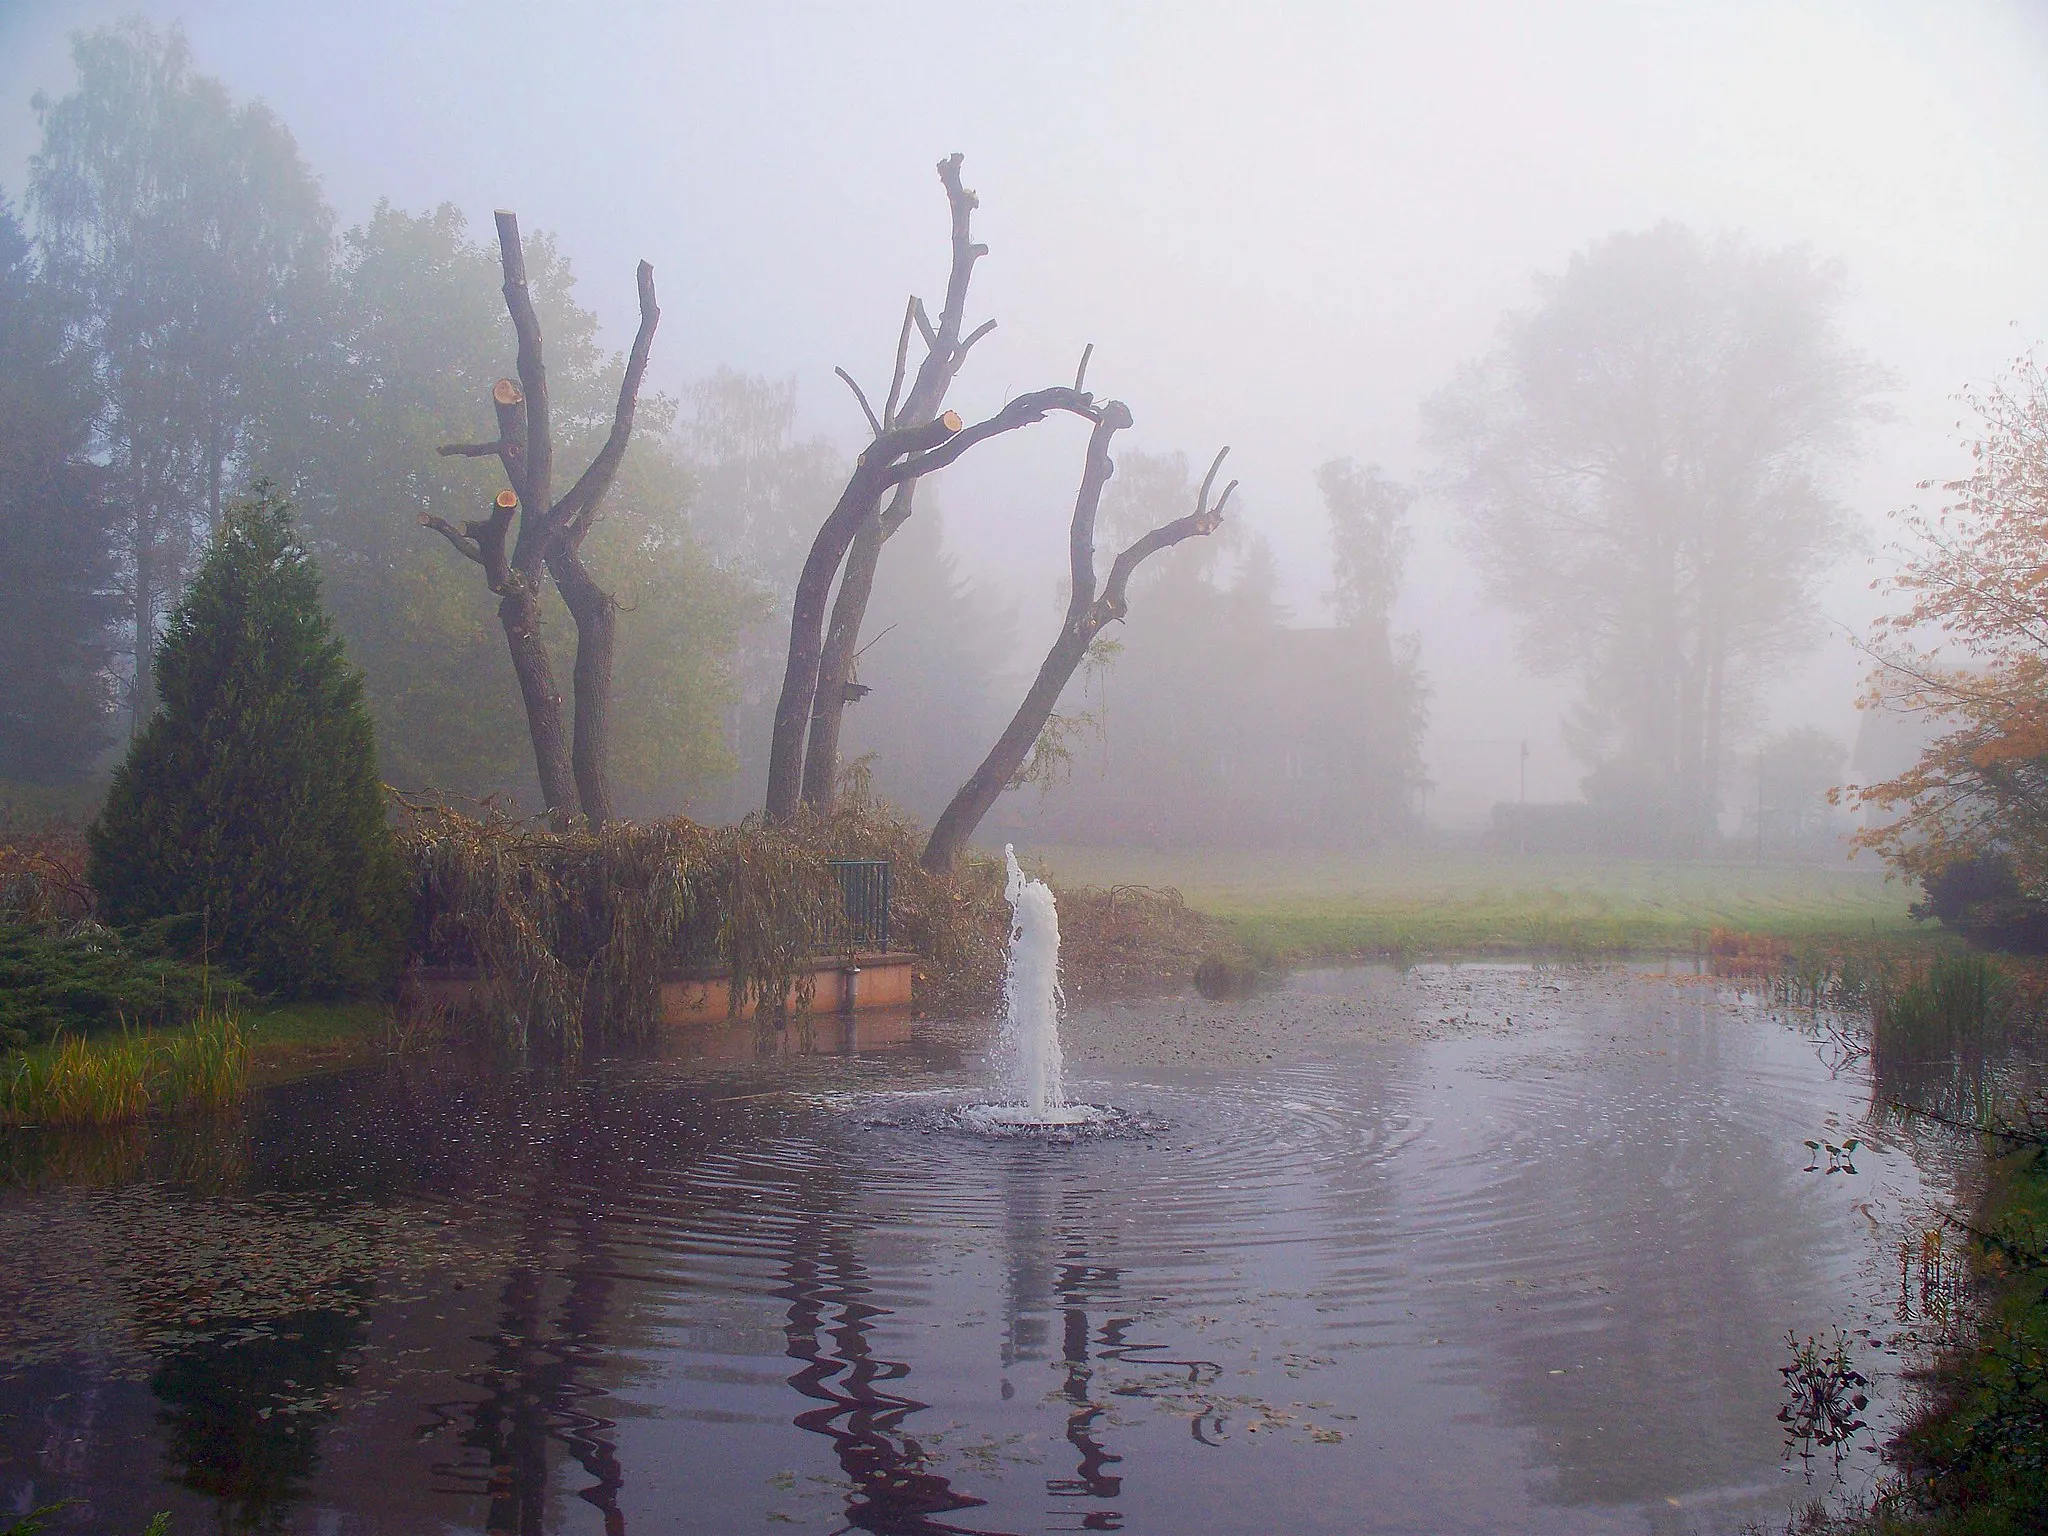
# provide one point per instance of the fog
(1282, 228)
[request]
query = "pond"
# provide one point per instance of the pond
(1473, 1248)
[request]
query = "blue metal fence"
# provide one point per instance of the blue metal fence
(864, 889)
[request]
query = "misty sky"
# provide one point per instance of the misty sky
(1282, 226)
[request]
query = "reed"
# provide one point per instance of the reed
(203, 1069)
(80, 1082)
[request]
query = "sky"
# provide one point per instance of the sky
(1282, 226)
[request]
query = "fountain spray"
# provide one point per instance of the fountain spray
(1031, 991)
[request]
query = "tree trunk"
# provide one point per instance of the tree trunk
(860, 502)
(519, 613)
(596, 619)
(1087, 616)
(143, 610)
(896, 456)
(835, 665)
(977, 797)
(550, 538)
(945, 352)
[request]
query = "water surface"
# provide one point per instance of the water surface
(1470, 1249)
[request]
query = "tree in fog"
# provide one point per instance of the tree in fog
(1641, 465)
(1094, 602)
(1369, 542)
(183, 229)
(913, 438)
(760, 488)
(1220, 719)
(1966, 657)
(56, 574)
(417, 334)
(760, 491)
(1797, 770)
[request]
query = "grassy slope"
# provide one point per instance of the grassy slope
(1333, 905)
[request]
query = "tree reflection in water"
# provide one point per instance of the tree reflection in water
(539, 1381)
(1077, 1281)
(829, 1322)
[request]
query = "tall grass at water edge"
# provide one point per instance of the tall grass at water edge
(203, 1068)
(1957, 1038)
(1955, 1033)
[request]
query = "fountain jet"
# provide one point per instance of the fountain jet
(1031, 992)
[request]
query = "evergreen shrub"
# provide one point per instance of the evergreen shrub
(249, 810)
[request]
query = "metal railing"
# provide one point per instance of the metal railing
(864, 888)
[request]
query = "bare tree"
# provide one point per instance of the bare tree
(1088, 613)
(946, 349)
(897, 456)
(550, 538)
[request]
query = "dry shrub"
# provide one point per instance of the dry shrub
(570, 933)
(42, 878)
(1733, 952)
(1130, 937)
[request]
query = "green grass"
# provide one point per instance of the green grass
(1330, 905)
(291, 1040)
(1979, 1453)
(202, 1067)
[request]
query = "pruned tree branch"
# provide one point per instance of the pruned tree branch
(902, 361)
(572, 516)
(1087, 615)
(463, 543)
(1200, 523)
(1020, 412)
(874, 422)
(539, 457)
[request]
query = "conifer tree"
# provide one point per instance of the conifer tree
(250, 802)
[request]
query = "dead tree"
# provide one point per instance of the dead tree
(897, 456)
(945, 350)
(1087, 615)
(550, 538)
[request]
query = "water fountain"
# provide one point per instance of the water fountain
(1029, 1046)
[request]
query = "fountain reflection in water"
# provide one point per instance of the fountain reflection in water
(1030, 1042)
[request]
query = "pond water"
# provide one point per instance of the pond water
(1454, 1249)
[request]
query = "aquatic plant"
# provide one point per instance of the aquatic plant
(79, 1082)
(205, 1068)
(109, 1082)
(1825, 1396)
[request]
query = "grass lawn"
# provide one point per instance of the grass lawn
(1306, 905)
(288, 1040)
